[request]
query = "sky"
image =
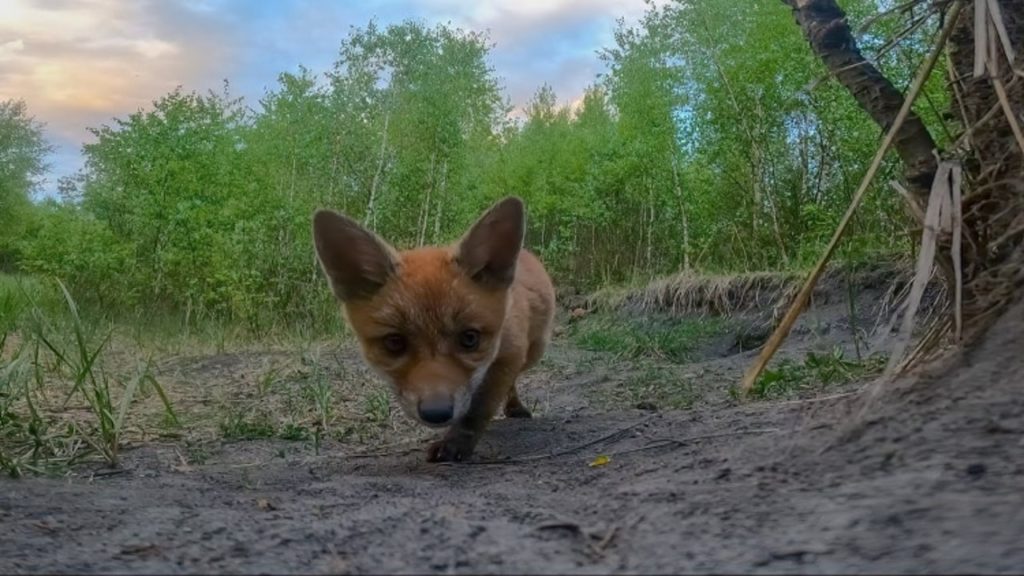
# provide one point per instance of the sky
(80, 63)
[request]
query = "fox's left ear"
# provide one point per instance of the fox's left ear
(489, 251)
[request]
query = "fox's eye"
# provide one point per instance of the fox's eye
(395, 343)
(469, 339)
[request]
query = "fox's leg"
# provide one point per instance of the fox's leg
(460, 440)
(514, 408)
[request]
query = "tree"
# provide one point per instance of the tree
(824, 24)
(164, 180)
(423, 97)
(23, 152)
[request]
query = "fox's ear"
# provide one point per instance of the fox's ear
(489, 251)
(355, 260)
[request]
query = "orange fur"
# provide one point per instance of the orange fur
(429, 298)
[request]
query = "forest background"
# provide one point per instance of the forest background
(714, 143)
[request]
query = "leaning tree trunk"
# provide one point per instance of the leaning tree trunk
(824, 25)
(993, 205)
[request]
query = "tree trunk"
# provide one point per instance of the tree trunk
(425, 211)
(371, 206)
(442, 197)
(824, 25)
(685, 221)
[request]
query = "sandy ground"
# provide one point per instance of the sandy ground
(927, 477)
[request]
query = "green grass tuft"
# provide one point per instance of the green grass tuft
(814, 373)
(676, 341)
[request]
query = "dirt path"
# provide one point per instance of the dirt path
(932, 481)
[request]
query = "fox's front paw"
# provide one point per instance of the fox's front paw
(452, 448)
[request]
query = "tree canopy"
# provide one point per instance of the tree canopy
(713, 142)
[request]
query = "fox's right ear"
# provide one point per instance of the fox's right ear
(355, 260)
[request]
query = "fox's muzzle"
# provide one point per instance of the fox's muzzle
(437, 410)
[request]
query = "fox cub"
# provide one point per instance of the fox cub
(451, 328)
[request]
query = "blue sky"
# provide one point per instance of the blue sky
(79, 63)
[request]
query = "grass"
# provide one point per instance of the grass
(676, 341)
(59, 359)
(814, 373)
(77, 383)
(307, 398)
(653, 386)
(19, 294)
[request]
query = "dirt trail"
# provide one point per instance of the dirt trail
(931, 481)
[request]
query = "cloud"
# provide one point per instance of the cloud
(11, 48)
(520, 21)
(77, 64)
(539, 42)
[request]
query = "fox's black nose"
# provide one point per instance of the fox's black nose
(436, 410)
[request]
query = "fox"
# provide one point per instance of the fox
(450, 328)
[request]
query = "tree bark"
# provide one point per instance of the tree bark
(371, 207)
(824, 25)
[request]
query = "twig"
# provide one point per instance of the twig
(911, 202)
(939, 205)
(805, 292)
(608, 538)
(899, 8)
(1004, 101)
(996, 16)
(980, 36)
(964, 138)
(957, 251)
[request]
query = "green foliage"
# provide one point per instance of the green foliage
(19, 294)
(72, 244)
(61, 358)
(816, 372)
(672, 340)
(245, 425)
(653, 386)
(22, 154)
(377, 407)
(714, 142)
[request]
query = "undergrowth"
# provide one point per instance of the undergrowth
(676, 341)
(49, 359)
(814, 373)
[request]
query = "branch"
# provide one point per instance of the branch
(824, 25)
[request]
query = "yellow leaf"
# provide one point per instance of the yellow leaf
(600, 461)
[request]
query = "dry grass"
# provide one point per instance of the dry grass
(724, 295)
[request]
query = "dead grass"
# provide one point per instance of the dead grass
(723, 295)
